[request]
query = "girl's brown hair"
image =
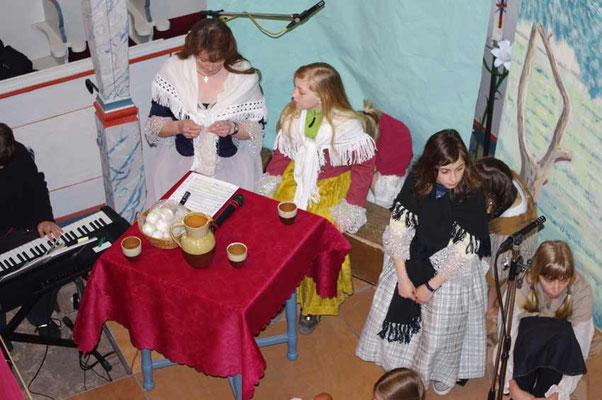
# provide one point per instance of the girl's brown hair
(215, 39)
(399, 384)
(496, 178)
(8, 146)
(552, 260)
(327, 84)
(443, 148)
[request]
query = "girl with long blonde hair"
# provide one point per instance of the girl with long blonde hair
(324, 162)
(552, 326)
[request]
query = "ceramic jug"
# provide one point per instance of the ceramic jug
(196, 240)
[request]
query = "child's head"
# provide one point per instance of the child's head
(496, 178)
(553, 269)
(8, 147)
(445, 160)
(399, 384)
(319, 86)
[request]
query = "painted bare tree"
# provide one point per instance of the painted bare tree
(535, 172)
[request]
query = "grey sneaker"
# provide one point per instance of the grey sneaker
(441, 388)
(308, 323)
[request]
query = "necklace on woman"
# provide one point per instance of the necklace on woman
(205, 78)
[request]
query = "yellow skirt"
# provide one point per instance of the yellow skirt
(332, 191)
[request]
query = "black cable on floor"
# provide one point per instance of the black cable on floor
(83, 364)
(36, 375)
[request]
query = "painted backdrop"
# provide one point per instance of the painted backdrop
(558, 100)
(419, 61)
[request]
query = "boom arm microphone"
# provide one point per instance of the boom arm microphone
(305, 15)
(518, 236)
(236, 202)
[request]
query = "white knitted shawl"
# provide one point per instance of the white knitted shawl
(176, 87)
(351, 146)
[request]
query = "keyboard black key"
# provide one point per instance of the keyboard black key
(12, 260)
(20, 257)
(85, 228)
(44, 248)
(39, 249)
(33, 253)
(80, 230)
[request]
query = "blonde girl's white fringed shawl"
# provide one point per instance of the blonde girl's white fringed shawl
(176, 87)
(351, 146)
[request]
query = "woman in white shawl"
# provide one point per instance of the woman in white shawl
(207, 113)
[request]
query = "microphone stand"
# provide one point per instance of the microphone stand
(295, 19)
(222, 13)
(517, 269)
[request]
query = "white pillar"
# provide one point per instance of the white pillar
(118, 126)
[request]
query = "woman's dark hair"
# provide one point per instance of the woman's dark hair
(8, 146)
(496, 178)
(443, 148)
(399, 384)
(213, 37)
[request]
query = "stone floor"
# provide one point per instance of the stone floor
(326, 363)
(60, 375)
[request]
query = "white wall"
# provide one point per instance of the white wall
(18, 16)
(58, 122)
(17, 31)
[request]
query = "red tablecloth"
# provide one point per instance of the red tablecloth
(207, 318)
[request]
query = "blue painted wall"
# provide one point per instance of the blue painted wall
(419, 61)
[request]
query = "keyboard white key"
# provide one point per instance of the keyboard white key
(38, 247)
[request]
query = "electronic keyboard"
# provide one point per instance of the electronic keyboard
(23, 275)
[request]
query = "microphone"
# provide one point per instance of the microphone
(237, 201)
(305, 14)
(521, 234)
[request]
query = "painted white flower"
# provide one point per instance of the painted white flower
(502, 54)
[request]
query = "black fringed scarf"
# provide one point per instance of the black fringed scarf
(437, 219)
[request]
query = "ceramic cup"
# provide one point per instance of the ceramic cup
(131, 247)
(287, 211)
(237, 254)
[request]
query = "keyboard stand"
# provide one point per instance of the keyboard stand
(8, 333)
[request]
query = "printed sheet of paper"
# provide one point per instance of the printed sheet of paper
(207, 195)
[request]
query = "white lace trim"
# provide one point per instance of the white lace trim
(252, 110)
(268, 184)
(152, 128)
(166, 95)
(453, 261)
(349, 217)
(397, 245)
(255, 131)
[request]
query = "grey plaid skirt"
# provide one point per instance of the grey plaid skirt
(451, 342)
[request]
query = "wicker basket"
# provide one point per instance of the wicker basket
(160, 243)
